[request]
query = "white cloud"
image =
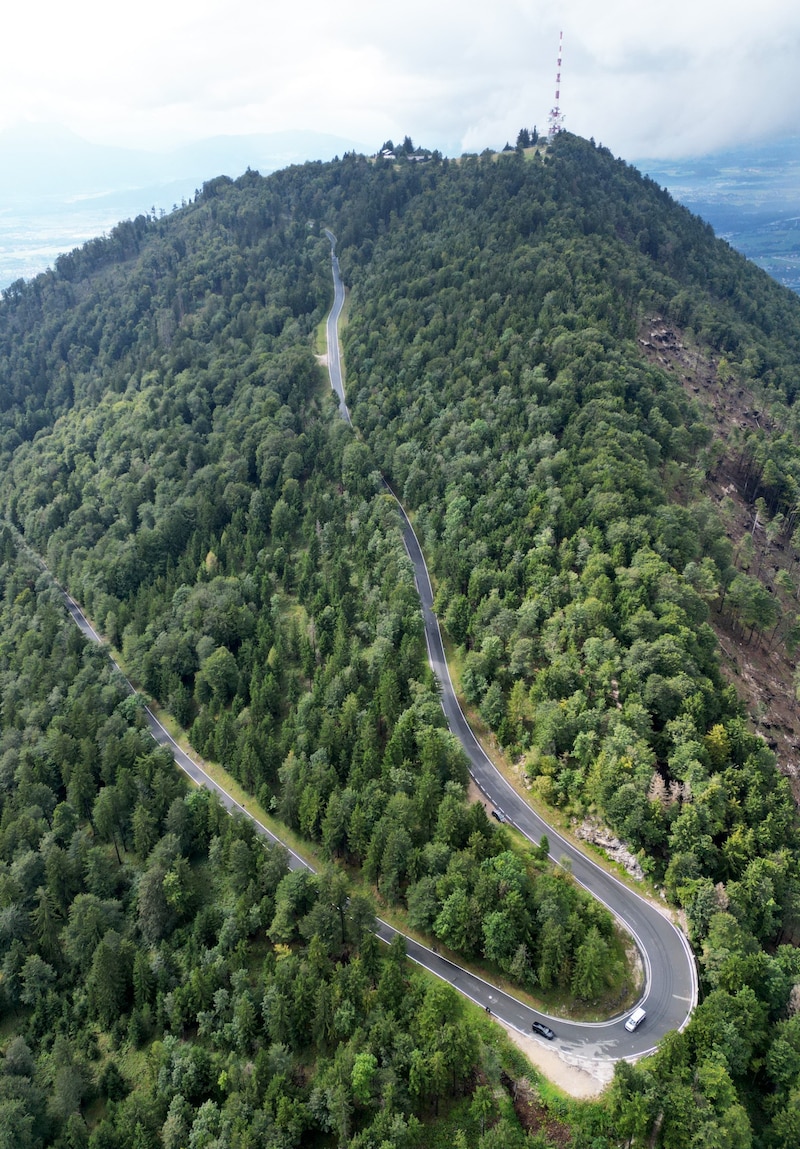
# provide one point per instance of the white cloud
(643, 78)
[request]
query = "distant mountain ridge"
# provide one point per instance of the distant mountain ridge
(58, 190)
(47, 160)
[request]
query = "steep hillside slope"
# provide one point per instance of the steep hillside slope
(559, 475)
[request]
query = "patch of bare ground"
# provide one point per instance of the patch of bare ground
(580, 1081)
(757, 664)
(476, 795)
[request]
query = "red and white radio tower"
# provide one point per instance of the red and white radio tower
(556, 117)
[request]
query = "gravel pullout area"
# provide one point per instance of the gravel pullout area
(576, 1080)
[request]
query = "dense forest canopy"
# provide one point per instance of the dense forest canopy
(168, 445)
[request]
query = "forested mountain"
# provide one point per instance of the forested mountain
(169, 447)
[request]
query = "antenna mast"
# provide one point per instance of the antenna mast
(556, 117)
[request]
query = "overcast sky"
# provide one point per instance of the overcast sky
(644, 78)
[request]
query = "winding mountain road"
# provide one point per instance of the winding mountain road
(332, 331)
(670, 991)
(670, 975)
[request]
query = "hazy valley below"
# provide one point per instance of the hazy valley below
(57, 190)
(35, 232)
(751, 197)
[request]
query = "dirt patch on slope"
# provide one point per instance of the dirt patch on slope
(575, 1080)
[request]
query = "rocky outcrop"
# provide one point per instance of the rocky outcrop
(599, 835)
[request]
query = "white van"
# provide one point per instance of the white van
(635, 1020)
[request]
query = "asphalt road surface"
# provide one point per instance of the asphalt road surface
(671, 981)
(332, 331)
(670, 991)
